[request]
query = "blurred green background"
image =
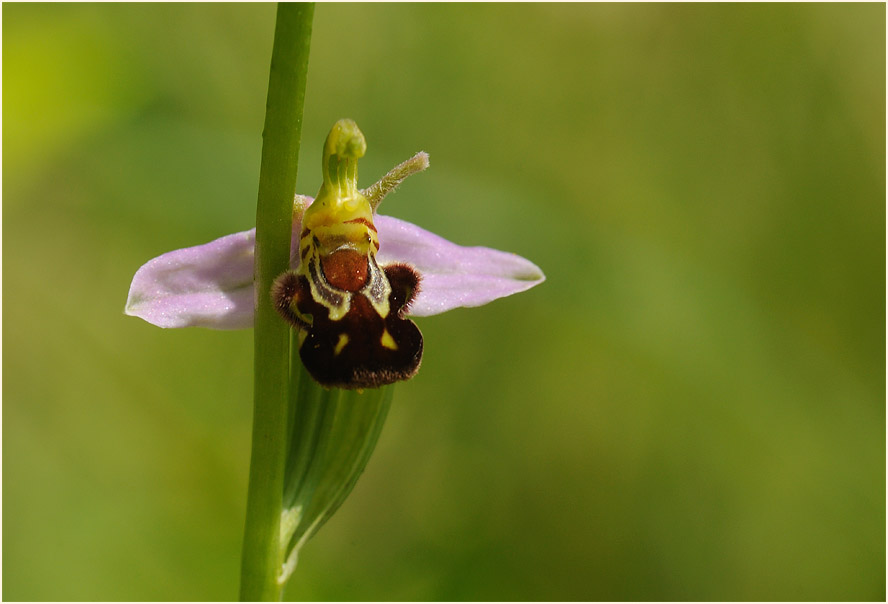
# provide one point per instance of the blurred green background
(691, 407)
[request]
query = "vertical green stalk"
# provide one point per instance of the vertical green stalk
(262, 549)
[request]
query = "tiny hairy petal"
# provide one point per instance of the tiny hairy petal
(452, 275)
(208, 285)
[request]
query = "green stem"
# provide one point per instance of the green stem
(262, 549)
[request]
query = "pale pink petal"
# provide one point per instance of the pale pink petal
(208, 285)
(452, 275)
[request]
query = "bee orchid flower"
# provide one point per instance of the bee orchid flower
(211, 285)
(355, 280)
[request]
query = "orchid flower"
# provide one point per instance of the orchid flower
(211, 285)
(354, 280)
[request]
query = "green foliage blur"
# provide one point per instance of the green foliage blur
(692, 406)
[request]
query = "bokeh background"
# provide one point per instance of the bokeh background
(691, 407)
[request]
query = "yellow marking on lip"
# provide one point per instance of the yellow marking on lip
(388, 341)
(343, 340)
